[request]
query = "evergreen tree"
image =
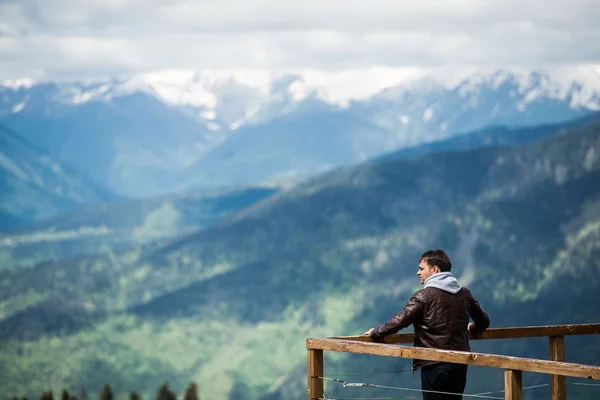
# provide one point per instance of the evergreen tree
(164, 393)
(191, 393)
(106, 393)
(65, 395)
(134, 396)
(47, 396)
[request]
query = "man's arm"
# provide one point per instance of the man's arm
(411, 311)
(481, 321)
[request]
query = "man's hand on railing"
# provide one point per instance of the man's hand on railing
(368, 333)
(471, 329)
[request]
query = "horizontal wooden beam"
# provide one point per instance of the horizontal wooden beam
(459, 357)
(400, 338)
(499, 333)
(541, 331)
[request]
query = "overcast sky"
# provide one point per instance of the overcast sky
(77, 38)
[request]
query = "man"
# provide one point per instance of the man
(440, 314)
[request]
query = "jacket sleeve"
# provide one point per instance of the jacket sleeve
(481, 321)
(411, 311)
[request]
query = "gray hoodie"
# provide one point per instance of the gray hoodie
(444, 281)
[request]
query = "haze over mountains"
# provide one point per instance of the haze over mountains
(155, 133)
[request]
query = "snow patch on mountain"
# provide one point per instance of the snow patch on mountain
(79, 95)
(188, 87)
(209, 115)
(17, 84)
(19, 107)
(427, 115)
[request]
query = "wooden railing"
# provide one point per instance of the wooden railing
(513, 366)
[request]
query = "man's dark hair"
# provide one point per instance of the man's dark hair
(439, 258)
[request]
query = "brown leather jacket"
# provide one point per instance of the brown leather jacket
(440, 320)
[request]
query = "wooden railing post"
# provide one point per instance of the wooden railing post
(558, 389)
(315, 370)
(513, 384)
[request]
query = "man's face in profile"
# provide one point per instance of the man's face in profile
(425, 271)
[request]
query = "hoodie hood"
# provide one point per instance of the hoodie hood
(444, 281)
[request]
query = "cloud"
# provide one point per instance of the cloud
(73, 38)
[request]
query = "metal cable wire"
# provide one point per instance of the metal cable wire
(478, 395)
(352, 384)
(524, 388)
(584, 384)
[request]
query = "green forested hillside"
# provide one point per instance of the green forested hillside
(230, 307)
(122, 225)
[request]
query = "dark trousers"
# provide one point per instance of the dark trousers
(444, 377)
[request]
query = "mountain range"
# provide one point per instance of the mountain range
(36, 185)
(177, 130)
(123, 224)
(230, 306)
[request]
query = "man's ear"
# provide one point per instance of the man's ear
(436, 269)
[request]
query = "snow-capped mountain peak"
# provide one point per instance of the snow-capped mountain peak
(229, 99)
(197, 88)
(580, 83)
